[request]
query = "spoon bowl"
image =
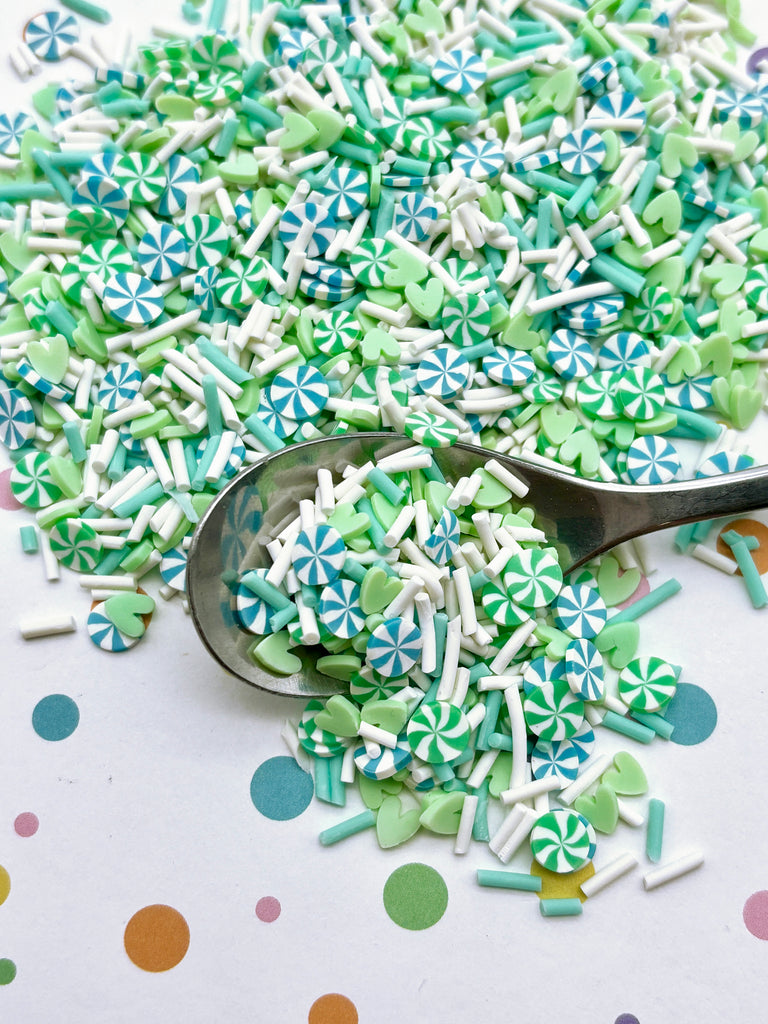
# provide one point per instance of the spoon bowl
(581, 518)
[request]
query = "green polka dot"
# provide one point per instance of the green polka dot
(415, 896)
(7, 971)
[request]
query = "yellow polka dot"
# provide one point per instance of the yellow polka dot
(5, 884)
(562, 887)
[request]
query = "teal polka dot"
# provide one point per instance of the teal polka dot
(693, 714)
(55, 717)
(280, 789)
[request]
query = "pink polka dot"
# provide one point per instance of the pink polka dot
(268, 909)
(756, 914)
(26, 824)
(7, 499)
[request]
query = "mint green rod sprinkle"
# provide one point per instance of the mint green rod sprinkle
(627, 727)
(644, 604)
(654, 835)
(347, 828)
(560, 908)
(509, 880)
(88, 10)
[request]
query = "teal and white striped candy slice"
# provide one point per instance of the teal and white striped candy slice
(75, 544)
(394, 647)
(563, 840)
(315, 740)
(318, 555)
(253, 613)
(209, 240)
(31, 481)
(584, 669)
(17, 418)
(339, 609)
(579, 610)
(438, 732)
(552, 711)
(533, 578)
(647, 684)
(132, 299)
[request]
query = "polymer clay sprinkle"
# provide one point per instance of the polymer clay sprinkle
(459, 71)
(443, 541)
(12, 131)
(579, 610)
(105, 635)
(552, 710)
(299, 393)
(51, 35)
(102, 192)
(315, 740)
(582, 152)
(173, 569)
(75, 544)
(318, 555)
(584, 669)
(394, 647)
(438, 732)
(31, 481)
(647, 684)
(563, 840)
(533, 578)
(339, 609)
(252, 611)
(132, 299)
(162, 252)
(652, 460)
(17, 418)
(385, 764)
(556, 758)
(414, 217)
(119, 385)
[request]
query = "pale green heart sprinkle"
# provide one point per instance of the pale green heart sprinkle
(125, 612)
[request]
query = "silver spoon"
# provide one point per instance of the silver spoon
(582, 518)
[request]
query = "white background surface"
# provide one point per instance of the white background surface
(148, 802)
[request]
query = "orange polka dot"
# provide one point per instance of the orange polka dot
(748, 528)
(562, 887)
(156, 938)
(333, 1009)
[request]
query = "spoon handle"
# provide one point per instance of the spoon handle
(629, 512)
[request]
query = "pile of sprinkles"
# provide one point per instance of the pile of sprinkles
(539, 227)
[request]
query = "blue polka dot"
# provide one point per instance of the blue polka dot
(55, 717)
(693, 714)
(280, 789)
(626, 1018)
